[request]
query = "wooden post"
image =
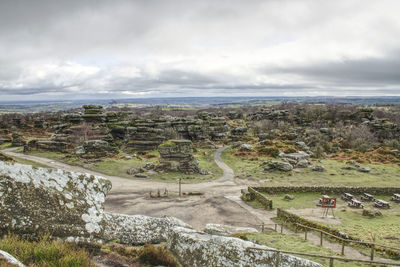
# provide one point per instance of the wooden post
(305, 234)
(343, 248)
(262, 227)
(320, 243)
(276, 228)
(277, 254)
(330, 262)
(372, 251)
(281, 228)
(180, 187)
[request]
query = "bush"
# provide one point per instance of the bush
(157, 256)
(271, 151)
(45, 252)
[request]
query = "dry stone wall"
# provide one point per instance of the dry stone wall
(329, 190)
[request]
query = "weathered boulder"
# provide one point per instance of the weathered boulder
(364, 169)
(177, 155)
(288, 197)
(246, 147)
(197, 250)
(227, 230)
(318, 168)
(139, 229)
(95, 149)
(371, 213)
(64, 204)
(279, 165)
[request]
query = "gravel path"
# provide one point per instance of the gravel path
(228, 172)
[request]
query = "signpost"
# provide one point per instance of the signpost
(328, 203)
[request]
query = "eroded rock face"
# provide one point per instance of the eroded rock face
(39, 200)
(198, 249)
(177, 155)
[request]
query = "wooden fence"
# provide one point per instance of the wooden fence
(331, 258)
(343, 241)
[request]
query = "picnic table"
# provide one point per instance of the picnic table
(347, 197)
(367, 197)
(395, 198)
(354, 203)
(379, 203)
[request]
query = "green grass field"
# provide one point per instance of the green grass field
(296, 244)
(252, 169)
(119, 166)
(385, 228)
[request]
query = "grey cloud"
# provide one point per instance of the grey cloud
(198, 47)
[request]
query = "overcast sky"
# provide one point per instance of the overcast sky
(145, 48)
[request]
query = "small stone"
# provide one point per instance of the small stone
(318, 168)
(288, 197)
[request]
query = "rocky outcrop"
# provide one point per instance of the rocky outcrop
(47, 145)
(197, 250)
(17, 140)
(94, 149)
(177, 155)
(93, 113)
(64, 204)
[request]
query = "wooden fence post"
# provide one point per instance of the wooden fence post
(281, 228)
(305, 234)
(320, 243)
(262, 227)
(343, 247)
(330, 262)
(277, 254)
(276, 228)
(372, 251)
